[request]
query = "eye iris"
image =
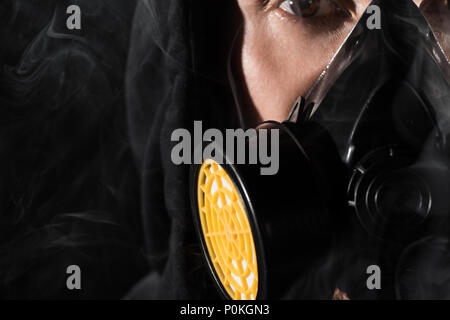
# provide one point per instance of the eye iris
(305, 8)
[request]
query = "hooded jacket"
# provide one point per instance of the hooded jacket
(176, 74)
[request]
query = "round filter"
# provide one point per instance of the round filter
(227, 234)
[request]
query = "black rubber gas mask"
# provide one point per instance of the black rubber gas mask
(363, 170)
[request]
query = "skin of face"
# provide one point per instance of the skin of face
(282, 54)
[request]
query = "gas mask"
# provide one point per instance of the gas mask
(364, 172)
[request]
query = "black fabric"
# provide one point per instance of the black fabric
(176, 74)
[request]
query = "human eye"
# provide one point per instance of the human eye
(310, 8)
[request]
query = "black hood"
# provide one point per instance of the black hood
(176, 74)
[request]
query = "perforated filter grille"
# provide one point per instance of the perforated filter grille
(227, 233)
